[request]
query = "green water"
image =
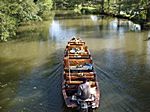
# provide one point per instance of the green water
(31, 66)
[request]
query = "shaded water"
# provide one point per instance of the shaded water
(31, 67)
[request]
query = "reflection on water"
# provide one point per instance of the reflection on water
(60, 34)
(31, 68)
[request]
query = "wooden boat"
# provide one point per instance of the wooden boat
(78, 64)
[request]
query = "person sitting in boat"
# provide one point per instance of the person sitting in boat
(89, 66)
(77, 40)
(73, 50)
(81, 50)
(84, 90)
(73, 38)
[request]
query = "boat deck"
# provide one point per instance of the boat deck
(78, 65)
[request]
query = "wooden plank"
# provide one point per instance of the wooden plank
(84, 73)
(79, 82)
(74, 62)
(77, 77)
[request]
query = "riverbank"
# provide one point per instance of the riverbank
(136, 12)
(76, 14)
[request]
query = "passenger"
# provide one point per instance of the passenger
(73, 50)
(79, 66)
(77, 49)
(81, 50)
(73, 38)
(77, 41)
(84, 90)
(78, 38)
(88, 65)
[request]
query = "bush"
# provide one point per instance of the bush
(13, 12)
(7, 27)
(45, 7)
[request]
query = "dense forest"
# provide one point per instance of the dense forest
(14, 12)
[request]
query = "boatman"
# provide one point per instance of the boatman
(84, 90)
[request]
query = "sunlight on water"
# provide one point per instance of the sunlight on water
(60, 34)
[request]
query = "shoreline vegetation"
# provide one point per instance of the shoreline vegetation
(137, 11)
(18, 12)
(14, 13)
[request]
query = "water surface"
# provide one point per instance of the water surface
(31, 67)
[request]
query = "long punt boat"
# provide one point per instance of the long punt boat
(78, 64)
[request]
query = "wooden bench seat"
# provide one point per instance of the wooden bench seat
(77, 77)
(74, 62)
(79, 56)
(78, 82)
(76, 43)
(85, 73)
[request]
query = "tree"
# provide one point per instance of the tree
(13, 12)
(102, 6)
(44, 6)
(108, 3)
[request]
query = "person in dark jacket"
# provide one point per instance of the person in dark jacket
(84, 90)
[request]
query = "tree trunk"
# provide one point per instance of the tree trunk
(119, 7)
(108, 5)
(148, 14)
(102, 5)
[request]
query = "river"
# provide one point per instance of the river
(31, 65)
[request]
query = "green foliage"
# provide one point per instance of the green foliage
(45, 7)
(68, 4)
(87, 8)
(19, 9)
(13, 12)
(133, 9)
(78, 9)
(7, 27)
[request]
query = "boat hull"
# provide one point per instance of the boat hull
(78, 64)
